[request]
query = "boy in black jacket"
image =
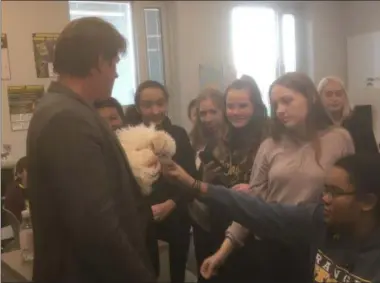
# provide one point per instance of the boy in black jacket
(344, 232)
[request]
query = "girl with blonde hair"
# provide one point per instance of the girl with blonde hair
(335, 100)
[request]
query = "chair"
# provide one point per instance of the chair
(12, 220)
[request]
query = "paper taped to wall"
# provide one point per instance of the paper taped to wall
(22, 101)
(5, 67)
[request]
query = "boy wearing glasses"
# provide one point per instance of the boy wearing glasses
(343, 231)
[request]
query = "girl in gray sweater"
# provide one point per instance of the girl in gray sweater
(289, 168)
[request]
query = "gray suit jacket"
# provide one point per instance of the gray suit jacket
(88, 215)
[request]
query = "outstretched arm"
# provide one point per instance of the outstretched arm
(276, 221)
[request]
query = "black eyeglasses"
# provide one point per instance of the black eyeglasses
(333, 192)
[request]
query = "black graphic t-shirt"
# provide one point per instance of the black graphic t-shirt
(327, 271)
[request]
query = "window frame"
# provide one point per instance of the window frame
(140, 41)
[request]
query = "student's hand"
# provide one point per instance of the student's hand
(211, 265)
(162, 210)
(174, 172)
(245, 188)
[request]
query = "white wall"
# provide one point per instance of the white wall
(363, 57)
(203, 36)
(19, 20)
(327, 39)
(362, 17)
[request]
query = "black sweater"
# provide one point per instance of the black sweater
(361, 133)
(185, 157)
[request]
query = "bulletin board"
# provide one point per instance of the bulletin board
(43, 45)
(22, 101)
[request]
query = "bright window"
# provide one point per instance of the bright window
(118, 14)
(263, 43)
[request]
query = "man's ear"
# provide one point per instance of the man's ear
(97, 68)
(369, 202)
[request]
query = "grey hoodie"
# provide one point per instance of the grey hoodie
(335, 257)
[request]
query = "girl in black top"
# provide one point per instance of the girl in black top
(168, 202)
(228, 162)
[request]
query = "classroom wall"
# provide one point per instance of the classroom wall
(199, 33)
(19, 20)
(205, 38)
(363, 56)
(362, 17)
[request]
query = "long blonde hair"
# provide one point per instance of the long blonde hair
(347, 107)
(198, 135)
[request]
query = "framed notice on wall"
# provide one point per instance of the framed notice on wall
(5, 67)
(22, 101)
(43, 45)
(210, 76)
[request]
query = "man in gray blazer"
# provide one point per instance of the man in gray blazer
(89, 217)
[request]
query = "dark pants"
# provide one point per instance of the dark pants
(202, 246)
(175, 230)
(259, 260)
(152, 246)
(267, 261)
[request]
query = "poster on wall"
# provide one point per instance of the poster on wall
(5, 67)
(210, 76)
(43, 45)
(22, 100)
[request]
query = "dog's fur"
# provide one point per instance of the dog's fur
(142, 146)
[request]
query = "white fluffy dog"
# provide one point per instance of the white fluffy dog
(142, 146)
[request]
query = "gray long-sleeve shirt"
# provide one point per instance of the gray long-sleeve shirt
(288, 172)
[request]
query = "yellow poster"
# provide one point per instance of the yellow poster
(22, 101)
(43, 45)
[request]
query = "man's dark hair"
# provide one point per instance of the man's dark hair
(21, 165)
(112, 103)
(82, 42)
(364, 174)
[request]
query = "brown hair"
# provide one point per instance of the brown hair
(132, 116)
(258, 123)
(191, 106)
(149, 84)
(82, 42)
(21, 165)
(198, 135)
(316, 119)
(111, 102)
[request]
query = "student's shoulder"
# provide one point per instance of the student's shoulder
(337, 133)
(178, 132)
(268, 144)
